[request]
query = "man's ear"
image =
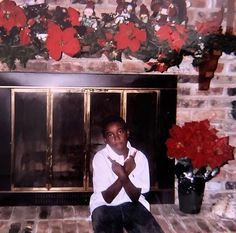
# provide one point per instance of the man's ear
(128, 133)
(105, 140)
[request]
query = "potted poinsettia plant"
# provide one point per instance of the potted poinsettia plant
(199, 154)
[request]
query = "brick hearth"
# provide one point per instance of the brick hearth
(75, 219)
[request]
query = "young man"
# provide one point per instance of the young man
(120, 178)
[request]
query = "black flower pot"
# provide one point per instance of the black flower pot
(191, 192)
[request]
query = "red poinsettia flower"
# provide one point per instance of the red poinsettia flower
(59, 41)
(129, 36)
(164, 33)
(25, 36)
(199, 142)
(73, 16)
(11, 15)
(174, 36)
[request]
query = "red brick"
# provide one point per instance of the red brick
(229, 225)
(211, 114)
(82, 211)
(102, 67)
(177, 225)
(132, 66)
(69, 226)
(85, 226)
(5, 213)
(56, 226)
(191, 103)
(183, 115)
(167, 228)
(203, 225)
(43, 227)
(211, 91)
(219, 103)
(198, 3)
(191, 225)
(4, 226)
(232, 67)
(184, 91)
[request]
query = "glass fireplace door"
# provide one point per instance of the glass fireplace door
(29, 133)
(49, 139)
(56, 132)
(68, 141)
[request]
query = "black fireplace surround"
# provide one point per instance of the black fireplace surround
(49, 131)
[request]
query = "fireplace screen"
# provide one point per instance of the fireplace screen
(50, 131)
(56, 132)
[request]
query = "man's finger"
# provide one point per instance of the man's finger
(110, 159)
(133, 155)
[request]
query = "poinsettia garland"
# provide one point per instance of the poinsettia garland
(160, 40)
(196, 146)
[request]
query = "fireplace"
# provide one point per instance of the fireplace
(49, 130)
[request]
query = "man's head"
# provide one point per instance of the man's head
(115, 133)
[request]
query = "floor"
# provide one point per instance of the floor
(75, 219)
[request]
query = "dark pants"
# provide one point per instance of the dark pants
(134, 217)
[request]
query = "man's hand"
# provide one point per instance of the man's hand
(130, 163)
(123, 181)
(118, 169)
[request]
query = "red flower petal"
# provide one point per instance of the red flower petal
(24, 36)
(122, 41)
(68, 34)
(53, 41)
(73, 16)
(141, 35)
(123, 28)
(53, 29)
(164, 32)
(134, 45)
(19, 16)
(71, 47)
(55, 53)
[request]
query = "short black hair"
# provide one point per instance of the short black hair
(112, 119)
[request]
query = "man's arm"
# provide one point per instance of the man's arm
(123, 181)
(132, 191)
(111, 192)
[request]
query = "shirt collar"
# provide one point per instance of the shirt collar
(119, 158)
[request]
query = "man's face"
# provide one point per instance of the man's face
(116, 137)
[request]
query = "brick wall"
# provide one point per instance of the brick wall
(218, 104)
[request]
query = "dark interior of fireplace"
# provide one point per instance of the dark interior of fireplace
(50, 130)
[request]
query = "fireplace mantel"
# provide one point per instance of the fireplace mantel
(40, 79)
(46, 101)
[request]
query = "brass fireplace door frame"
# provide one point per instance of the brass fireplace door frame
(50, 93)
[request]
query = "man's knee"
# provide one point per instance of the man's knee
(99, 213)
